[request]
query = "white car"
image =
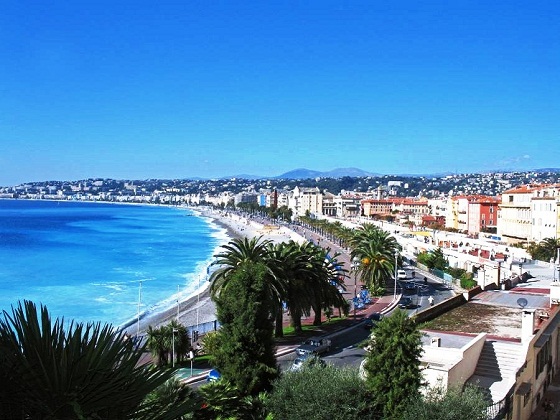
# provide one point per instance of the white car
(401, 274)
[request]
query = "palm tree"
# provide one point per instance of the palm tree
(254, 250)
(550, 247)
(289, 265)
(85, 371)
(237, 251)
(157, 344)
(324, 276)
(375, 250)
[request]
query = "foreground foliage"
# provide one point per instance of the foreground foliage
(452, 404)
(86, 371)
(245, 349)
(393, 364)
(320, 392)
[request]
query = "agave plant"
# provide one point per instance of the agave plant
(84, 371)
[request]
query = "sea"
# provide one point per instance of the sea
(101, 262)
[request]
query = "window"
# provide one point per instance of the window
(542, 358)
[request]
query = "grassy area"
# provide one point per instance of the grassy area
(289, 331)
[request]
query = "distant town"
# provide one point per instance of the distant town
(515, 206)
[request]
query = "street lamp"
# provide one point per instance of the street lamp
(173, 346)
(354, 267)
(138, 313)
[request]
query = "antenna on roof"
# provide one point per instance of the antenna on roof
(522, 302)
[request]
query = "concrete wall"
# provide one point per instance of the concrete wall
(463, 370)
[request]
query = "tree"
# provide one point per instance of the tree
(256, 250)
(245, 354)
(453, 403)
(156, 343)
(433, 259)
(320, 392)
(545, 250)
(392, 364)
(86, 371)
(375, 250)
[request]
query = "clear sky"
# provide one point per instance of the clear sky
(135, 89)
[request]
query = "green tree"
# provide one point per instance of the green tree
(86, 371)
(545, 250)
(256, 250)
(245, 355)
(393, 364)
(157, 344)
(451, 404)
(433, 259)
(375, 250)
(320, 392)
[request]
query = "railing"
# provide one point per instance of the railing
(500, 409)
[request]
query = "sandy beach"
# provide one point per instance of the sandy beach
(198, 308)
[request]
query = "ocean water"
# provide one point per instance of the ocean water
(100, 262)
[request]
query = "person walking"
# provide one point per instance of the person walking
(431, 300)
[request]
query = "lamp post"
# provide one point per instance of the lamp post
(138, 313)
(173, 346)
(354, 266)
(178, 303)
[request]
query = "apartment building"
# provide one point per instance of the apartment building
(529, 213)
(304, 201)
(472, 214)
(377, 207)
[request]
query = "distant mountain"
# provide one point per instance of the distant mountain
(546, 170)
(303, 173)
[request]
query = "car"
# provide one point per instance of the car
(308, 359)
(401, 274)
(314, 345)
(409, 286)
(372, 320)
(406, 303)
(213, 376)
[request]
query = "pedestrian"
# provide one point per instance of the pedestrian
(431, 300)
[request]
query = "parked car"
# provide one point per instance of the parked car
(314, 345)
(308, 359)
(406, 303)
(409, 286)
(213, 376)
(401, 274)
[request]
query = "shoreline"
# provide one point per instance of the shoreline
(198, 309)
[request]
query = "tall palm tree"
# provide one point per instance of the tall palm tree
(157, 344)
(550, 247)
(237, 251)
(375, 250)
(322, 275)
(84, 371)
(289, 266)
(254, 250)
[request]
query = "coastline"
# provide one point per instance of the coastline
(198, 309)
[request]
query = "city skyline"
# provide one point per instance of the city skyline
(200, 90)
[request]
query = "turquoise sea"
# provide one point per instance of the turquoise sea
(100, 262)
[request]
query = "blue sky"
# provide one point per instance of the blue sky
(136, 90)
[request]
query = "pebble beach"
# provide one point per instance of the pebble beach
(198, 308)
